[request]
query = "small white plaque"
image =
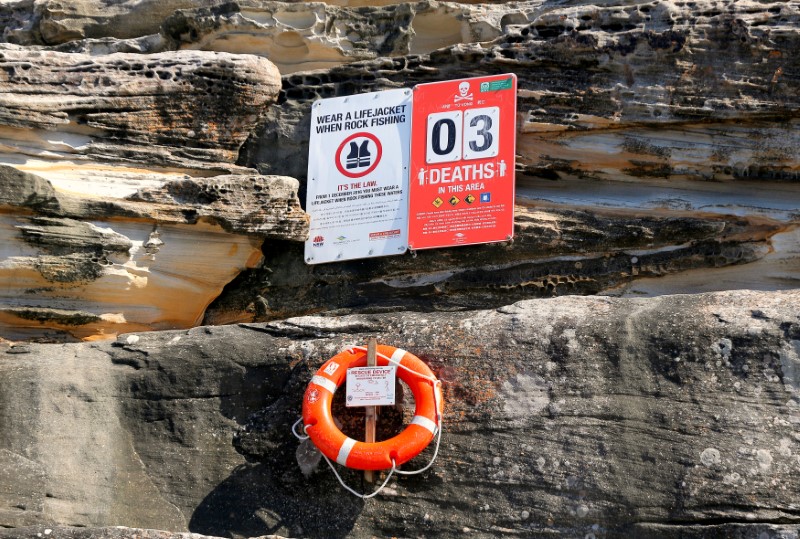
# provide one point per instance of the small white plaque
(370, 386)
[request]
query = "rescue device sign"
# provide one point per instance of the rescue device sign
(370, 386)
(357, 194)
(462, 162)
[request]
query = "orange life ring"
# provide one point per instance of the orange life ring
(334, 444)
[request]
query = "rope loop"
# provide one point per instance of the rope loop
(299, 437)
(350, 490)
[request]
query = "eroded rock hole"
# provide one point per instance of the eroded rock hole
(294, 93)
(547, 32)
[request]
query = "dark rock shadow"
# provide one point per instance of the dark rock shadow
(252, 502)
(269, 494)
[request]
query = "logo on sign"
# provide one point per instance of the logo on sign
(358, 154)
(469, 199)
(373, 236)
(486, 197)
(454, 200)
(463, 93)
(343, 240)
(319, 241)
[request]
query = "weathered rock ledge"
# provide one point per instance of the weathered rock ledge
(296, 36)
(87, 267)
(671, 417)
(637, 122)
(557, 250)
(116, 532)
(122, 208)
(627, 91)
(184, 111)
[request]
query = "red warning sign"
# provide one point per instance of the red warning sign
(462, 162)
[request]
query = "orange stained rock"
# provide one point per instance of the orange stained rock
(167, 287)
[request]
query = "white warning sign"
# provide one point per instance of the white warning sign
(357, 188)
(370, 386)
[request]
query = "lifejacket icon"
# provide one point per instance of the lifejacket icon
(358, 156)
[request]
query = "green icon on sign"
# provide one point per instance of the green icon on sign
(493, 86)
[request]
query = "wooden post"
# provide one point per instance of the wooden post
(371, 411)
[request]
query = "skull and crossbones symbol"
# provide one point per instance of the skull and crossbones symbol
(463, 94)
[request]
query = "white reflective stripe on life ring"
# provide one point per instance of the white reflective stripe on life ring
(344, 451)
(397, 356)
(324, 383)
(424, 422)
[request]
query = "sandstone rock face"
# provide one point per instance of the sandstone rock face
(296, 36)
(152, 167)
(185, 110)
(660, 417)
(71, 270)
(556, 251)
(626, 112)
(60, 22)
(127, 223)
(116, 532)
(303, 37)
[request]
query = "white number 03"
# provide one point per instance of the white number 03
(457, 135)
